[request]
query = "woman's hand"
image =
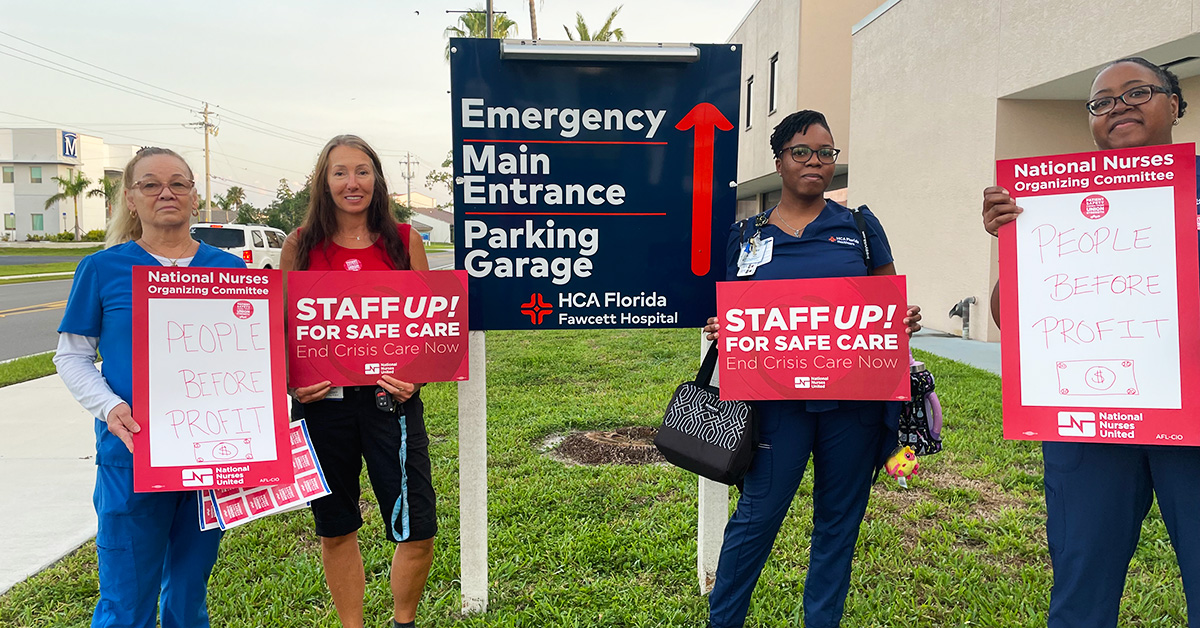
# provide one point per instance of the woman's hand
(309, 394)
(401, 391)
(998, 209)
(712, 329)
(912, 320)
(122, 425)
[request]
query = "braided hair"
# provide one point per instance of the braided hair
(1167, 78)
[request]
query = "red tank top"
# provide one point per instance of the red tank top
(331, 256)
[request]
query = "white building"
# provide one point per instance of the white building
(29, 161)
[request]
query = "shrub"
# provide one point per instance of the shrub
(95, 235)
(35, 238)
(65, 236)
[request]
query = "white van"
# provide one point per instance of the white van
(259, 245)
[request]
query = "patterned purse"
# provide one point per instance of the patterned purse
(705, 435)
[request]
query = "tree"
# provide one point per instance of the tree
(442, 177)
(606, 32)
(399, 210)
(72, 187)
(532, 21)
(110, 189)
(287, 211)
(249, 214)
(474, 24)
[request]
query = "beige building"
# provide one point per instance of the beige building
(795, 55)
(941, 89)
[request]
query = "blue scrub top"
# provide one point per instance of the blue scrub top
(830, 246)
(101, 305)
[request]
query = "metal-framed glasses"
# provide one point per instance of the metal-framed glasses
(1133, 97)
(154, 188)
(801, 153)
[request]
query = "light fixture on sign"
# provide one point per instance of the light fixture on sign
(542, 50)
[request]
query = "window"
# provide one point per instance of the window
(8, 174)
(258, 239)
(275, 239)
(771, 87)
(749, 86)
(35, 174)
(37, 225)
(10, 221)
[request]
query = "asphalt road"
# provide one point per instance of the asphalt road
(13, 260)
(29, 316)
(30, 312)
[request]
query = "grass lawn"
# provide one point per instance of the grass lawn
(614, 546)
(33, 269)
(26, 368)
(12, 250)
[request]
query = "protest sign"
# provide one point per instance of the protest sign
(208, 379)
(836, 338)
(351, 328)
(593, 193)
(1098, 278)
(228, 508)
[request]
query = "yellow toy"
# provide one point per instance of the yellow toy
(902, 464)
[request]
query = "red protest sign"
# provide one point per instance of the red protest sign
(837, 338)
(1098, 278)
(208, 379)
(350, 328)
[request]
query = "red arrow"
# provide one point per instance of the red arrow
(705, 119)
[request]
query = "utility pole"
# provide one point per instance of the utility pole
(489, 19)
(408, 177)
(208, 129)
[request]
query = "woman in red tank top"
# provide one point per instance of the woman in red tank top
(349, 227)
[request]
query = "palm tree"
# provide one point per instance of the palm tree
(109, 189)
(235, 196)
(606, 32)
(72, 187)
(474, 24)
(532, 21)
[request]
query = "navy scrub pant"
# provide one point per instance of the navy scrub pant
(1096, 498)
(151, 551)
(844, 445)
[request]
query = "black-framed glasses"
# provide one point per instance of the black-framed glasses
(801, 153)
(1133, 97)
(154, 188)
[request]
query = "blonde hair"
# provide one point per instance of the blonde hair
(124, 226)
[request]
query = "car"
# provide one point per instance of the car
(259, 245)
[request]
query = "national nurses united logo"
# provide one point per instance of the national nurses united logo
(1094, 206)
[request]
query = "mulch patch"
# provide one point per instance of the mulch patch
(624, 445)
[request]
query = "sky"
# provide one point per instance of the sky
(282, 77)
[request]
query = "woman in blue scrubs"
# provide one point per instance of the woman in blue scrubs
(808, 237)
(1097, 494)
(153, 559)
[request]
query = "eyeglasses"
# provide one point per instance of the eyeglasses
(1133, 97)
(154, 188)
(801, 153)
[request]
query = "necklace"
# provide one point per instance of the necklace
(795, 231)
(174, 261)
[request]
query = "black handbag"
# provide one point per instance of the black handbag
(705, 435)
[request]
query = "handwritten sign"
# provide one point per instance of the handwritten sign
(837, 338)
(208, 379)
(1099, 279)
(228, 508)
(352, 327)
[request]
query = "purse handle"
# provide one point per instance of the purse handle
(704, 375)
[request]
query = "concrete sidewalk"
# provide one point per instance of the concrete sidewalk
(981, 355)
(47, 466)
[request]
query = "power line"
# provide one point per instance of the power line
(72, 72)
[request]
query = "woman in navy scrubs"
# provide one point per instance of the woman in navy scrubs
(1097, 494)
(154, 561)
(807, 236)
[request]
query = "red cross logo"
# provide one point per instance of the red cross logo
(537, 308)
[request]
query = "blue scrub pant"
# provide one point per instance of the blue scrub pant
(1096, 498)
(151, 551)
(844, 444)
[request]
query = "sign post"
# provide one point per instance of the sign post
(594, 187)
(1099, 280)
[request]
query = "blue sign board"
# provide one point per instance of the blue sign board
(70, 144)
(593, 194)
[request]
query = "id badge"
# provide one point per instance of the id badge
(336, 393)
